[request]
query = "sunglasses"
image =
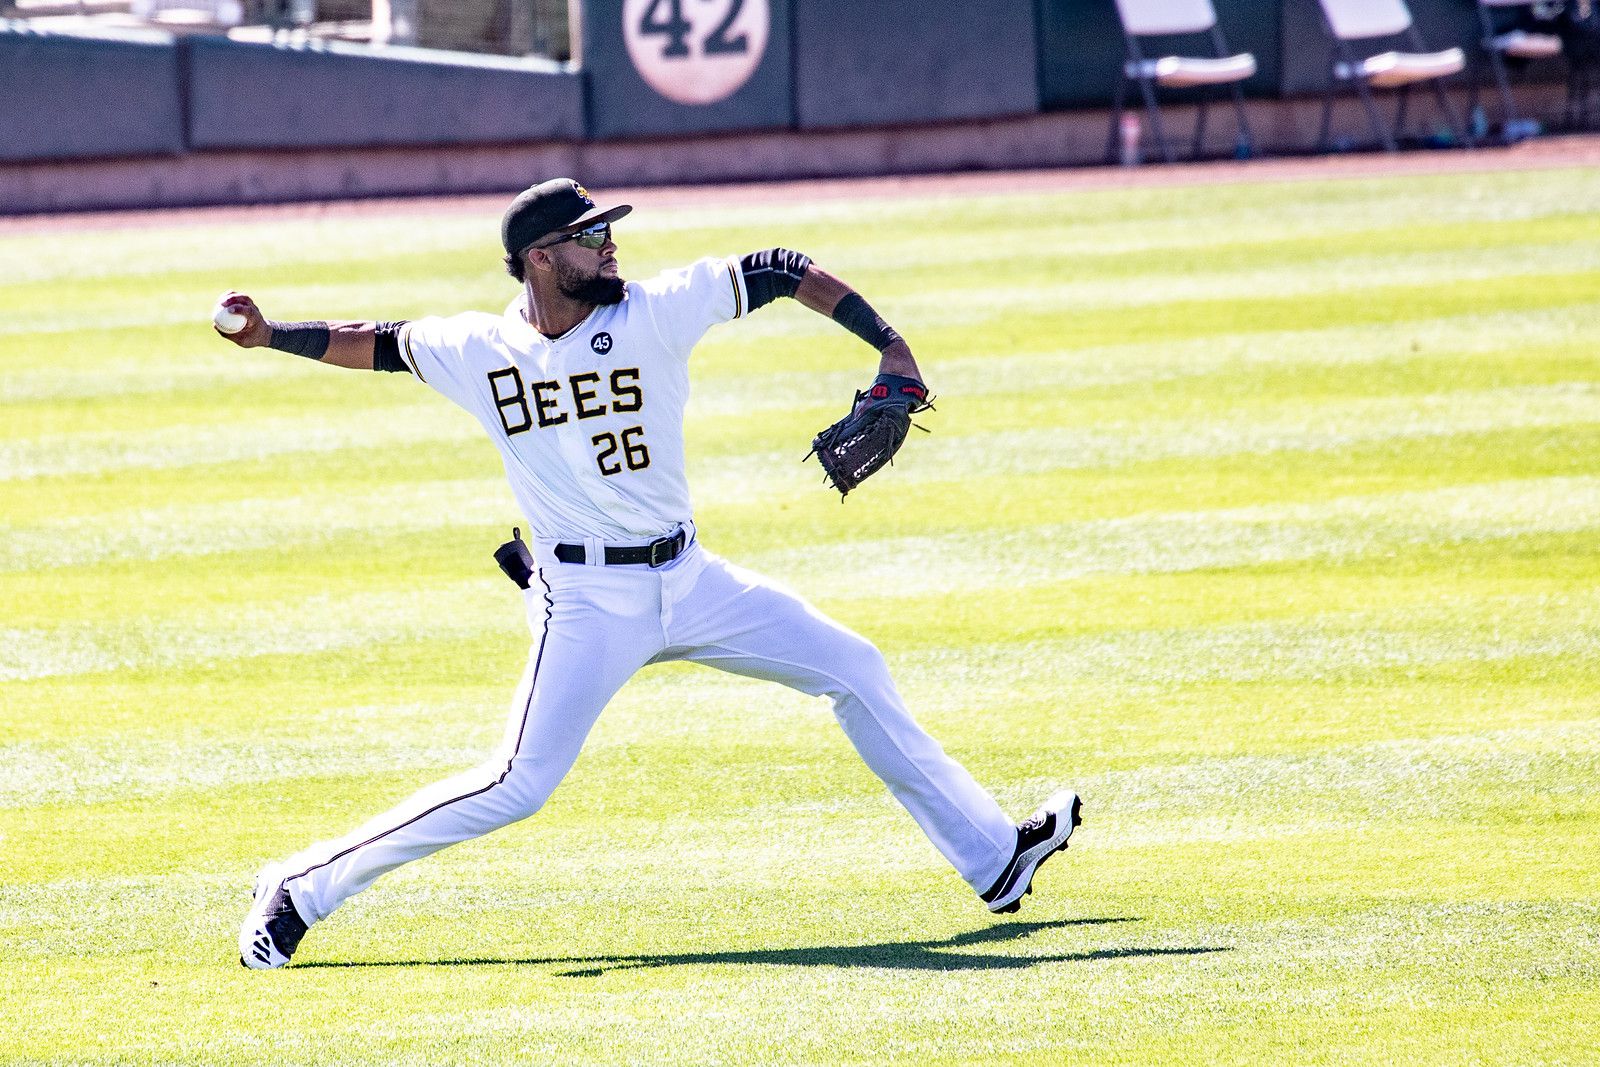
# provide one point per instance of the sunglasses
(588, 237)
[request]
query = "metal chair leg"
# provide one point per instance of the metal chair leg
(1497, 68)
(1155, 119)
(1385, 138)
(1200, 124)
(1502, 81)
(1474, 84)
(1459, 131)
(1246, 137)
(1582, 91)
(1325, 140)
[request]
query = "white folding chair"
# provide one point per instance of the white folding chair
(196, 14)
(1367, 21)
(1501, 45)
(1177, 18)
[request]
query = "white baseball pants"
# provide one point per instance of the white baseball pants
(593, 627)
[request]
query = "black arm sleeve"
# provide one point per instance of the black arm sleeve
(857, 316)
(773, 273)
(308, 339)
(386, 347)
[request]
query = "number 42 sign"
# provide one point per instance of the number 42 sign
(696, 51)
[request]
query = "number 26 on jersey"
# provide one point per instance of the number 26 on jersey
(552, 403)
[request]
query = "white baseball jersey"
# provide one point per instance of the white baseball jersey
(588, 424)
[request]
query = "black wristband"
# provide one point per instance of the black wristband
(857, 316)
(308, 339)
(901, 390)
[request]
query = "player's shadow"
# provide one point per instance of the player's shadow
(894, 955)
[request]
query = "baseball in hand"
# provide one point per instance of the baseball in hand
(228, 321)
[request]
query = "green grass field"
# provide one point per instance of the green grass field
(1267, 516)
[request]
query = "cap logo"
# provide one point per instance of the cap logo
(583, 194)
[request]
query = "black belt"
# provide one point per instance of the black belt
(656, 553)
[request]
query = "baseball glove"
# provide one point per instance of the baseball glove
(865, 441)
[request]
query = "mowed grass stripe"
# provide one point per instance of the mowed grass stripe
(1086, 275)
(69, 398)
(1350, 276)
(1464, 339)
(1344, 646)
(1214, 235)
(1051, 327)
(1388, 782)
(1085, 220)
(153, 532)
(1323, 427)
(1057, 534)
(313, 514)
(1318, 648)
(1537, 569)
(1223, 480)
(213, 432)
(1129, 224)
(314, 624)
(1151, 971)
(1058, 275)
(102, 451)
(1343, 528)
(1181, 319)
(1332, 530)
(81, 429)
(1352, 260)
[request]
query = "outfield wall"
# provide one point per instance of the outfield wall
(258, 96)
(76, 97)
(722, 90)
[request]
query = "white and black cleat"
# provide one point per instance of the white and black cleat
(1043, 835)
(273, 929)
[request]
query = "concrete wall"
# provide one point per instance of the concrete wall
(265, 96)
(906, 61)
(67, 97)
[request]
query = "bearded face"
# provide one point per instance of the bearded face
(588, 285)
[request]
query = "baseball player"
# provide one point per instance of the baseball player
(581, 384)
